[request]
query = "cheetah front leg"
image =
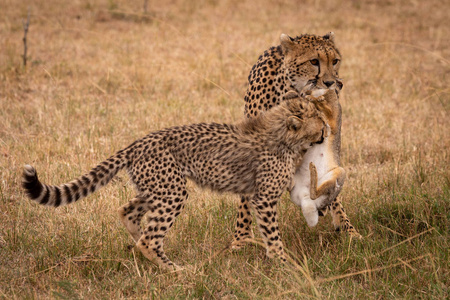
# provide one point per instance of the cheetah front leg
(340, 220)
(266, 217)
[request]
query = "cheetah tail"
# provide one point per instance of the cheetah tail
(53, 195)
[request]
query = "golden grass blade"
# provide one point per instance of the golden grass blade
(135, 263)
(402, 242)
(371, 270)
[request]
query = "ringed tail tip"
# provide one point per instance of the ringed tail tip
(28, 170)
(30, 182)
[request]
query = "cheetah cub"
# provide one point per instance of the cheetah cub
(256, 158)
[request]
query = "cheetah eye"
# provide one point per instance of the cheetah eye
(314, 62)
(335, 61)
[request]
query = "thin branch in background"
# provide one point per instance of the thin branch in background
(25, 30)
(145, 6)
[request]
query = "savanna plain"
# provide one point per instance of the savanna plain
(101, 74)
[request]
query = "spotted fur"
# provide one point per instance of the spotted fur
(256, 158)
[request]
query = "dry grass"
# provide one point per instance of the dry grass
(102, 74)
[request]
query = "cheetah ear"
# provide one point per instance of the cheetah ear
(329, 36)
(294, 123)
(286, 43)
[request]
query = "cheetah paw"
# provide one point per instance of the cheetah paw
(236, 245)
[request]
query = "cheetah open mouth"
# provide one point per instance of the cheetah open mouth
(311, 87)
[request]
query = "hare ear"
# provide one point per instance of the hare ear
(286, 43)
(294, 123)
(329, 36)
(291, 95)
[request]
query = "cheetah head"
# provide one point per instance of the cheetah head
(311, 63)
(305, 124)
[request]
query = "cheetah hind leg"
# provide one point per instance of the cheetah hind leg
(159, 220)
(243, 231)
(131, 215)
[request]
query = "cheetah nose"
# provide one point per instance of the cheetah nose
(329, 83)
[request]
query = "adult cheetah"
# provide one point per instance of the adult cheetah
(256, 158)
(308, 64)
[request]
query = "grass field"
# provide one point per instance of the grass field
(102, 73)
